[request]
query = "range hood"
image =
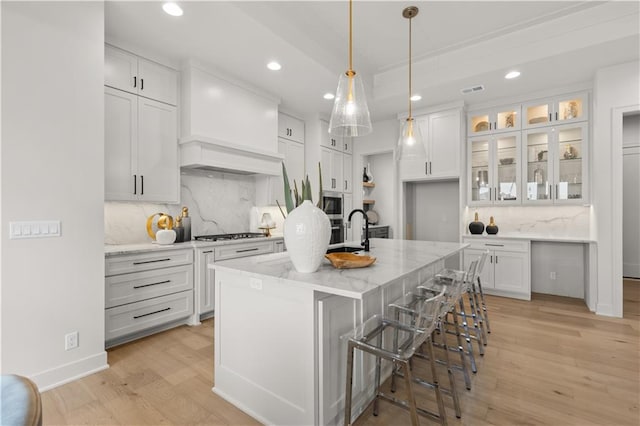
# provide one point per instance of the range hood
(201, 152)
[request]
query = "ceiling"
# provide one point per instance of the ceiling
(555, 44)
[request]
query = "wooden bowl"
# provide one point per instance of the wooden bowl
(349, 260)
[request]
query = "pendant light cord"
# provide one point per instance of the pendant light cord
(410, 19)
(350, 36)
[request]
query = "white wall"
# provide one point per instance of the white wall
(436, 210)
(615, 87)
(631, 196)
(53, 168)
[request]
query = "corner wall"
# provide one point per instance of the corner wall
(52, 168)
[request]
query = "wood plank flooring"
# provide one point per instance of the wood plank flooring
(548, 362)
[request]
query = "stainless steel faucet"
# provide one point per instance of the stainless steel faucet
(366, 227)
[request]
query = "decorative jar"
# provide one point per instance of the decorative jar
(307, 231)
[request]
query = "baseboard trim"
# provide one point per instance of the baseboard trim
(66, 373)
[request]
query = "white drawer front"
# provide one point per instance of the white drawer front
(495, 244)
(128, 288)
(144, 261)
(232, 251)
(138, 316)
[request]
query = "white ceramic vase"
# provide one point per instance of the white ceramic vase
(307, 231)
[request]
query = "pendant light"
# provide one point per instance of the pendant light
(410, 144)
(350, 115)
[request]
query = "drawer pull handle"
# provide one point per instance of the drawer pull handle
(246, 250)
(149, 285)
(208, 251)
(494, 245)
(152, 261)
(151, 313)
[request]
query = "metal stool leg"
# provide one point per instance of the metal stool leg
(432, 362)
(347, 398)
(467, 337)
(452, 381)
(484, 307)
(465, 371)
(413, 409)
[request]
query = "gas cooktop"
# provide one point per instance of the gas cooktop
(223, 237)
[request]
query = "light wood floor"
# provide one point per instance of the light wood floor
(549, 361)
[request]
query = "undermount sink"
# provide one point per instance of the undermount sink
(344, 249)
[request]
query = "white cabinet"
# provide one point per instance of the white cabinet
(503, 119)
(556, 110)
(128, 72)
(347, 173)
(507, 271)
(556, 162)
(141, 151)
(293, 153)
(332, 165)
(147, 292)
(205, 276)
(290, 128)
(495, 169)
(334, 142)
(441, 134)
(347, 207)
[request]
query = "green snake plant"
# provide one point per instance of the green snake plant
(293, 198)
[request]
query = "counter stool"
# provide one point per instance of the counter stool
(20, 404)
(484, 312)
(397, 342)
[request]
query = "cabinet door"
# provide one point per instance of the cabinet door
(207, 280)
(539, 170)
(507, 168)
(510, 271)
(486, 275)
(120, 69)
(157, 82)
(537, 113)
(572, 108)
(325, 163)
(337, 170)
(480, 180)
(157, 152)
(444, 144)
(347, 143)
(347, 171)
(294, 160)
(120, 139)
(328, 140)
(290, 128)
(506, 118)
(570, 169)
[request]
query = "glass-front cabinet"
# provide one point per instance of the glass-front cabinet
(556, 160)
(558, 110)
(495, 169)
(505, 119)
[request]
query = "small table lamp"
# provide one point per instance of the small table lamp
(267, 224)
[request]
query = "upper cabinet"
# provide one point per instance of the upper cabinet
(441, 133)
(556, 110)
(334, 142)
(495, 169)
(556, 164)
(128, 72)
(290, 128)
(504, 119)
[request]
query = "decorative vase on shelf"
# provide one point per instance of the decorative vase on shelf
(476, 227)
(492, 228)
(307, 231)
(365, 177)
(368, 173)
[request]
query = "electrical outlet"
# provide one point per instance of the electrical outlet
(552, 275)
(71, 341)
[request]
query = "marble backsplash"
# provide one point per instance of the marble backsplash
(218, 203)
(543, 221)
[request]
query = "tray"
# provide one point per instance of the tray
(349, 260)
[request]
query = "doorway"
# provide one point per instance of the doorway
(630, 211)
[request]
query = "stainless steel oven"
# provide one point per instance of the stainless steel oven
(332, 204)
(337, 231)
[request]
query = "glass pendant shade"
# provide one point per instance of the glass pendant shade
(410, 144)
(350, 115)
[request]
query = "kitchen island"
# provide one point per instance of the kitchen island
(279, 355)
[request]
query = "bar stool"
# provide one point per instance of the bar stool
(484, 312)
(406, 305)
(399, 348)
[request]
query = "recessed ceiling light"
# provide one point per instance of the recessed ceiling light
(274, 66)
(512, 74)
(415, 98)
(329, 96)
(172, 9)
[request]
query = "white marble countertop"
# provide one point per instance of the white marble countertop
(532, 237)
(116, 249)
(394, 259)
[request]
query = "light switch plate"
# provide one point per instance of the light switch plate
(34, 229)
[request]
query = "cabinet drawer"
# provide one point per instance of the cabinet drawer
(138, 316)
(498, 245)
(128, 288)
(232, 251)
(145, 261)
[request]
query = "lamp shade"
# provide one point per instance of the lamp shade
(410, 144)
(350, 115)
